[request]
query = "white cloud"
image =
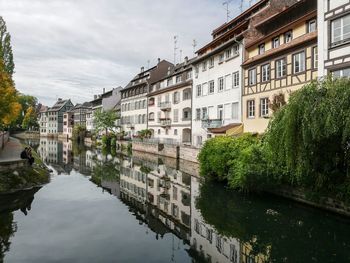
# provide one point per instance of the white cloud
(75, 48)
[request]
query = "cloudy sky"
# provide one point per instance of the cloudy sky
(75, 48)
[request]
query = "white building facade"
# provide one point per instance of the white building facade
(133, 107)
(169, 106)
(334, 37)
(216, 92)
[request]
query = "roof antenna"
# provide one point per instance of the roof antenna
(194, 44)
(226, 4)
(175, 47)
(180, 56)
(148, 61)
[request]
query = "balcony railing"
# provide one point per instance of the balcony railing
(165, 123)
(165, 106)
(214, 123)
(130, 125)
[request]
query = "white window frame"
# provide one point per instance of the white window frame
(235, 79)
(281, 68)
(199, 90)
(265, 72)
(251, 109)
(264, 107)
(341, 31)
(300, 56)
(211, 86)
(221, 84)
(252, 77)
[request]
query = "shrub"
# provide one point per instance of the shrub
(219, 154)
(106, 141)
(113, 142)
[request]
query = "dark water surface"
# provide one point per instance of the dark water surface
(141, 208)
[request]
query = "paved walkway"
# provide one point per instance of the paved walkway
(11, 151)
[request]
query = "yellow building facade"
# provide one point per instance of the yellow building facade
(281, 57)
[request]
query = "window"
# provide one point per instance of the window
(276, 42)
(236, 50)
(236, 80)
(151, 116)
(228, 82)
(178, 78)
(169, 82)
(175, 132)
(220, 112)
(261, 48)
(341, 73)
(211, 87)
(199, 90)
(221, 57)
(186, 94)
(221, 84)
(281, 68)
(204, 66)
(265, 73)
(315, 57)
(205, 89)
(227, 111)
(176, 97)
(311, 26)
(288, 36)
(176, 115)
(196, 69)
(340, 30)
(251, 108)
(228, 53)
(204, 113)
(235, 111)
(198, 114)
(264, 107)
(299, 62)
(158, 131)
(211, 62)
(159, 114)
(188, 75)
(252, 76)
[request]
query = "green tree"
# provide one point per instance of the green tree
(30, 119)
(105, 120)
(5, 48)
(308, 139)
(28, 103)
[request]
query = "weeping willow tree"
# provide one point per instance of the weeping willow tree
(308, 141)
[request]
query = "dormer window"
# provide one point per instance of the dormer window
(262, 48)
(288, 36)
(228, 53)
(276, 42)
(311, 26)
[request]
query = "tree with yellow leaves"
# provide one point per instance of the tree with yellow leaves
(9, 106)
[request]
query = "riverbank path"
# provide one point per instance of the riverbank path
(12, 151)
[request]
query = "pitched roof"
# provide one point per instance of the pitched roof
(59, 105)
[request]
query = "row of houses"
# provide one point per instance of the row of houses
(60, 119)
(249, 69)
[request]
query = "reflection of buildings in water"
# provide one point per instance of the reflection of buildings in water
(112, 187)
(213, 246)
(132, 180)
(89, 159)
(169, 190)
(67, 152)
(50, 151)
(165, 192)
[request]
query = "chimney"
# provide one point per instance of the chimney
(186, 60)
(95, 97)
(59, 99)
(104, 91)
(158, 60)
(142, 69)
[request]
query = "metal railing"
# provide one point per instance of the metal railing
(165, 123)
(214, 123)
(165, 105)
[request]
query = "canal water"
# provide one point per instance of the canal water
(104, 207)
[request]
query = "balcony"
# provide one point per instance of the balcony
(165, 106)
(165, 123)
(130, 126)
(209, 124)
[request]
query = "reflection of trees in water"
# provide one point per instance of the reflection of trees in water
(106, 170)
(7, 230)
(9, 203)
(272, 226)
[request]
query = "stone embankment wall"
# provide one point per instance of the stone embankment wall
(4, 137)
(173, 151)
(326, 203)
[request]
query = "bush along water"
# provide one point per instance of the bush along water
(307, 145)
